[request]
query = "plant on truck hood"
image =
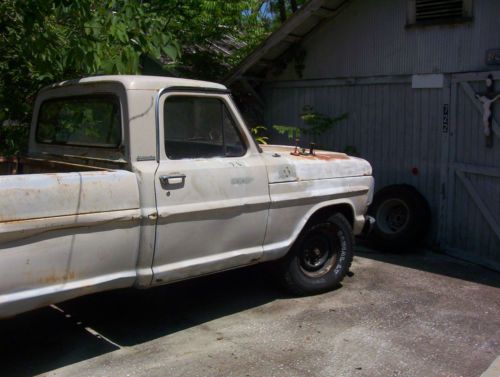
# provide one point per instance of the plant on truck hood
(315, 125)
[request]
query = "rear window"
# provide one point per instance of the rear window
(87, 121)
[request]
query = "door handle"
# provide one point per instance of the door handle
(175, 179)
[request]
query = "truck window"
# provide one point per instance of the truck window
(200, 127)
(84, 120)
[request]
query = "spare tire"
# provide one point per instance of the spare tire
(402, 217)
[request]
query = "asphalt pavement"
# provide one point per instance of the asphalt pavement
(412, 314)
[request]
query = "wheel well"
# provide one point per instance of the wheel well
(324, 213)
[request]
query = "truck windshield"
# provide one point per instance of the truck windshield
(85, 120)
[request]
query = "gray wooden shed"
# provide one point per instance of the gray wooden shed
(407, 73)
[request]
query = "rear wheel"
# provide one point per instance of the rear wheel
(320, 258)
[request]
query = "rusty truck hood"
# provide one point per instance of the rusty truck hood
(286, 167)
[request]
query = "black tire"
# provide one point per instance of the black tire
(320, 257)
(402, 218)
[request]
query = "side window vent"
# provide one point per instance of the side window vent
(422, 12)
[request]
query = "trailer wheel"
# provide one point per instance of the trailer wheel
(402, 217)
(320, 258)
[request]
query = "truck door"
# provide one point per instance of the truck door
(211, 188)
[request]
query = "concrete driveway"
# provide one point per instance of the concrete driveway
(397, 315)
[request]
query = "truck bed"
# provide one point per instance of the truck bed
(31, 165)
(65, 230)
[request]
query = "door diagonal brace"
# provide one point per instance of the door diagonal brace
(483, 208)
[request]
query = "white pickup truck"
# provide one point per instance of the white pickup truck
(137, 181)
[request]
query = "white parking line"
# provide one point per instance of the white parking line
(493, 370)
(87, 328)
(100, 336)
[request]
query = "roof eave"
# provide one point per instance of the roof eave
(284, 32)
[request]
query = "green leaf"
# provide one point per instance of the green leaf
(171, 51)
(290, 131)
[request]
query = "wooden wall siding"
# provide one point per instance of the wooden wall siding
(474, 232)
(369, 38)
(361, 62)
(391, 125)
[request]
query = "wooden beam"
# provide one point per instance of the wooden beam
(474, 76)
(292, 38)
(324, 12)
(445, 185)
(479, 170)
(451, 180)
(311, 83)
(476, 198)
(288, 27)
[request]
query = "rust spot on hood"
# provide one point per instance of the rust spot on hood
(323, 156)
(288, 151)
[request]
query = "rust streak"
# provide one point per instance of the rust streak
(53, 279)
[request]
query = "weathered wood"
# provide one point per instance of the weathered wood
(324, 12)
(292, 38)
(474, 76)
(480, 170)
(471, 190)
(377, 80)
(445, 184)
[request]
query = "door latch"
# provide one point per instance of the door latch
(175, 180)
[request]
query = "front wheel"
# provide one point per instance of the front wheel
(320, 258)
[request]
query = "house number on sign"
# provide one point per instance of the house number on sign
(446, 113)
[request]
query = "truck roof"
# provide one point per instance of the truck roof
(131, 82)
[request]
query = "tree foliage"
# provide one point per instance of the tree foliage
(278, 11)
(48, 41)
(214, 35)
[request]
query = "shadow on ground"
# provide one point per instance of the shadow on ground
(436, 263)
(80, 329)
(50, 338)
